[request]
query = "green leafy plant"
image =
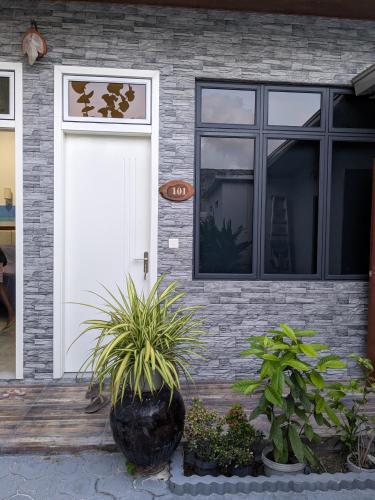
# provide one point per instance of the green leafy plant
(292, 390)
(142, 337)
(131, 468)
(227, 441)
(355, 424)
(240, 428)
(237, 444)
(203, 431)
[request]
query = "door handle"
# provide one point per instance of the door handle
(146, 261)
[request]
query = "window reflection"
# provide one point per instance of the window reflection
(226, 205)
(294, 109)
(292, 206)
(350, 207)
(350, 111)
(232, 106)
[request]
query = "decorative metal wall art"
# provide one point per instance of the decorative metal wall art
(34, 44)
(104, 99)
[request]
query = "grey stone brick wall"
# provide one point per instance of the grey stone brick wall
(183, 45)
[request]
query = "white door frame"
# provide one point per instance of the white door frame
(61, 128)
(17, 126)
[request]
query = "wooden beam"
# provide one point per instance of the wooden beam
(364, 9)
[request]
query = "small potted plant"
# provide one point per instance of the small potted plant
(362, 459)
(239, 442)
(203, 433)
(356, 428)
(235, 460)
(143, 344)
(292, 389)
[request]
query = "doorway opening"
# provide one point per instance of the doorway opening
(105, 195)
(7, 255)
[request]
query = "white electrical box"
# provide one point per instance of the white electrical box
(173, 243)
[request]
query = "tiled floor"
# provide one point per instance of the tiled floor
(102, 476)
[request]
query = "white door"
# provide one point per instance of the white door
(107, 227)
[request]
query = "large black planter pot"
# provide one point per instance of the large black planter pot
(148, 431)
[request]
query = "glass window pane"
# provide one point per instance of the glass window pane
(294, 109)
(292, 206)
(350, 111)
(226, 205)
(106, 99)
(232, 106)
(4, 95)
(350, 216)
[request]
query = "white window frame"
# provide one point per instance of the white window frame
(61, 128)
(14, 122)
(107, 79)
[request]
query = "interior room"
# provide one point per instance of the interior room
(7, 255)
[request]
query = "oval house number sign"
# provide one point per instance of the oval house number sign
(177, 190)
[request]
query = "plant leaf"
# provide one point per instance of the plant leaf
(276, 436)
(295, 363)
(289, 332)
(296, 443)
(273, 397)
(308, 350)
(316, 379)
(331, 415)
(246, 386)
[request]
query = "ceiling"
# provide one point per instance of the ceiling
(361, 9)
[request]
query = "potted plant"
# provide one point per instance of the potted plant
(292, 390)
(143, 344)
(203, 433)
(235, 460)
(363, 458)
(356, 428)
(217, 443)
(237, 449)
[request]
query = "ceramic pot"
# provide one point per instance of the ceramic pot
(272, 468)
(241, 470)
(352, 467)
(189, 458)
(148, 431)
(203, 468)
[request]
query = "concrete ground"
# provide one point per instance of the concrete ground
(102, 476)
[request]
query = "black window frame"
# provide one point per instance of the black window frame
(261, 131)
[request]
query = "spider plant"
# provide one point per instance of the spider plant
(141, 337)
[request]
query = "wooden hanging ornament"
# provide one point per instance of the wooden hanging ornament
(33, 44)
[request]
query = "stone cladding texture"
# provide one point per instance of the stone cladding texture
(183, 44)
